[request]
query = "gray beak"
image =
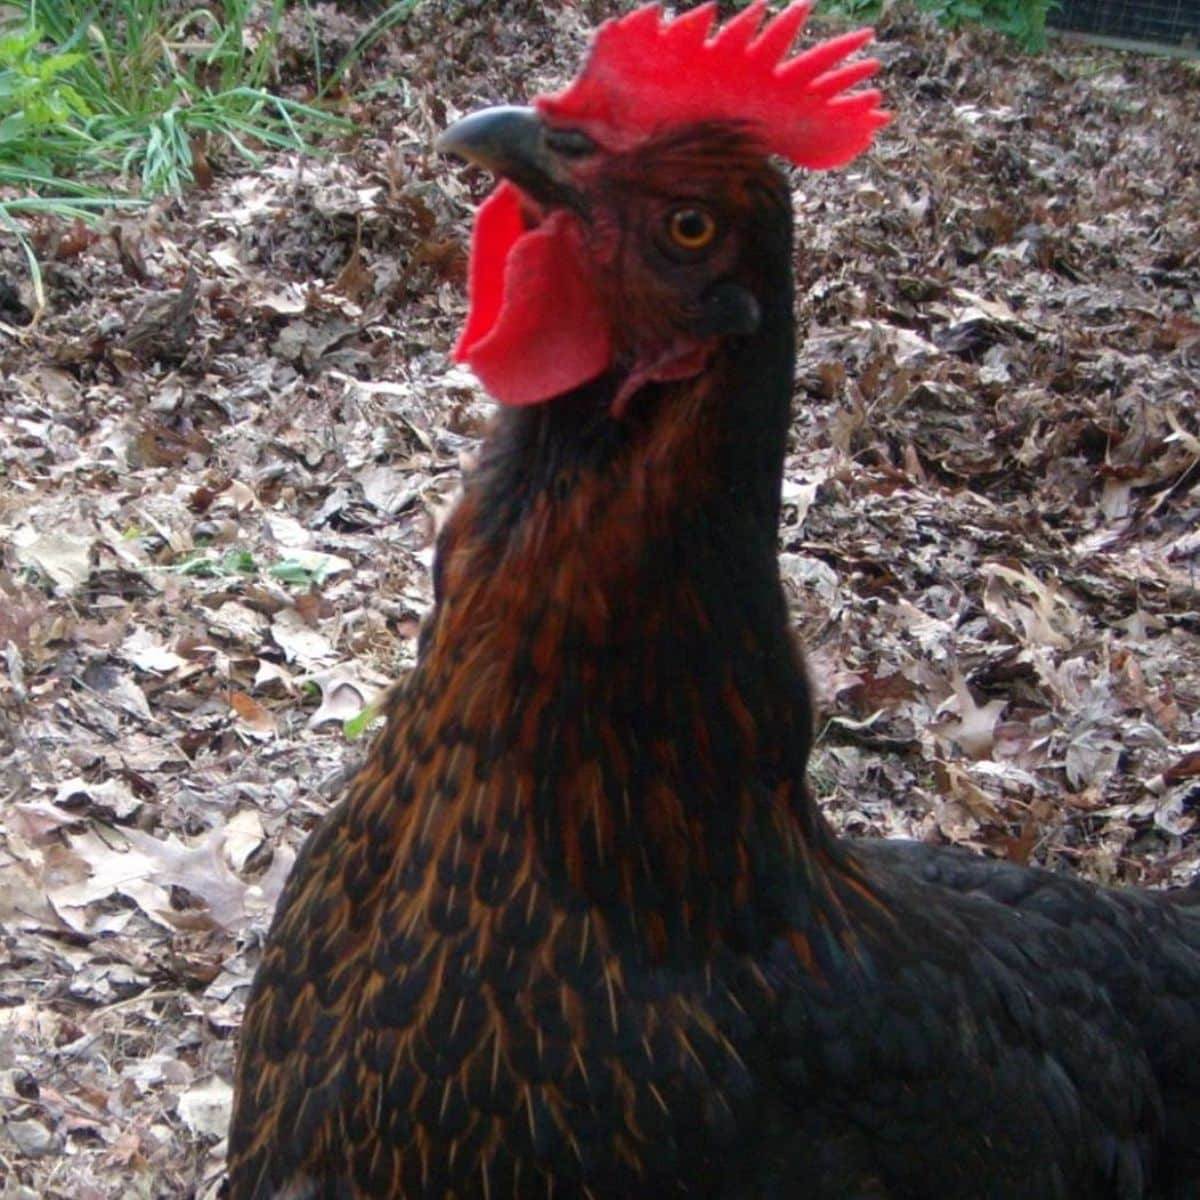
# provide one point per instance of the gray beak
(511, 143)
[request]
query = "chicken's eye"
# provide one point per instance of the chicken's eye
(691, 228)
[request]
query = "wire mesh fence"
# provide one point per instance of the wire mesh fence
(1170, 22)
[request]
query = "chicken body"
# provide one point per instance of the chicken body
(578, 930)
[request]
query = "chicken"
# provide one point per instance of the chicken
(578, 928)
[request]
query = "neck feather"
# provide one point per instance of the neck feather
(612, 628)
(608, 700)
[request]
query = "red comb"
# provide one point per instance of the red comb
(645, 74)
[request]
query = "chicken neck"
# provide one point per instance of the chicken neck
(611, 626)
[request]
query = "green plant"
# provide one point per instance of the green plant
(354, 727)
(314, 570)
(107, 102)
(138, 87)
(113, 99)
(1024, 20)
(205, 564)
(855, 10)
(33, 96)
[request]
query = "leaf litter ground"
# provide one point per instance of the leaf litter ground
(226, 447)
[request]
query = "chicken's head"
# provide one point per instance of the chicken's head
(613, 242)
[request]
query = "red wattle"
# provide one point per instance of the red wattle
(536, 327)
(498, 226)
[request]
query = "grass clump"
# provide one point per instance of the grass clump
(131, 88)
(1023, 20)
(110, 102)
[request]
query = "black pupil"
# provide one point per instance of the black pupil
(691, 226)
